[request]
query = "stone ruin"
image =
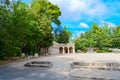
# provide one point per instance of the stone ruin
(95, 71)
(97, 65)
(46, 64)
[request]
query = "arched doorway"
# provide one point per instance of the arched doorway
(66, 50)
(60, 50)
(71, 49)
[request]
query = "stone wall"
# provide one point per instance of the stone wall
(115, 50)
(57, 48)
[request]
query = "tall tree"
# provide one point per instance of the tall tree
(25, 28)
(5, 22)
(45, 13)
(96, 37)
(64, 36)
(115, 37)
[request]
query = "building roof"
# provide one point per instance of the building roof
(60, 45)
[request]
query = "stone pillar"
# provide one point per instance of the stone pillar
(68, 50)
(73, 50)
(63, 50)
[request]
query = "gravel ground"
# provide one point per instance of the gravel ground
(61, 69)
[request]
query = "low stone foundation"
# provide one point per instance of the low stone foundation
(39, 64)
(95, 71)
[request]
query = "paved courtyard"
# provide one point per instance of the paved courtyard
(61, 69)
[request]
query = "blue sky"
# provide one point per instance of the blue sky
(78, 15)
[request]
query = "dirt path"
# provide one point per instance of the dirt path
(61, 67)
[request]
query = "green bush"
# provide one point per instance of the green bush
(109, 50)
(118, 47)
(95, 49)
(100, 51)
(13, 51)
(10, 52)
(103, 50)
(84, 49)
(79, 51)
(2, 56)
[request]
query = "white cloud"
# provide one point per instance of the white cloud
(110, 24)
(83, 25)
(74, 9)
(88, 7)
(77, 5)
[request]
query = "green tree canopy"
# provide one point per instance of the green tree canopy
(100, 37)
(26, 28)
(64, 36)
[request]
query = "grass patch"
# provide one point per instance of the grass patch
(102, 50)
(83, 49)
(4, 62)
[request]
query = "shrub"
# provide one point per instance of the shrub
(109, 50)
(2, 55)
(84, 49)
(103, 50)
(100, 51)
(13, 51)
(95, 49)
(79, 51)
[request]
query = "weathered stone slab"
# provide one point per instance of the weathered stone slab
(39, 64)
(97, 65)
(36, 55)
(23, 55)
(95, 71)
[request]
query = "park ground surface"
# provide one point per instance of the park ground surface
(61, 69)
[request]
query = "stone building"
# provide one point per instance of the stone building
(57, 48)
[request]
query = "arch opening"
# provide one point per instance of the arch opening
(71, 49)
(66, 50)
(60, 50)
